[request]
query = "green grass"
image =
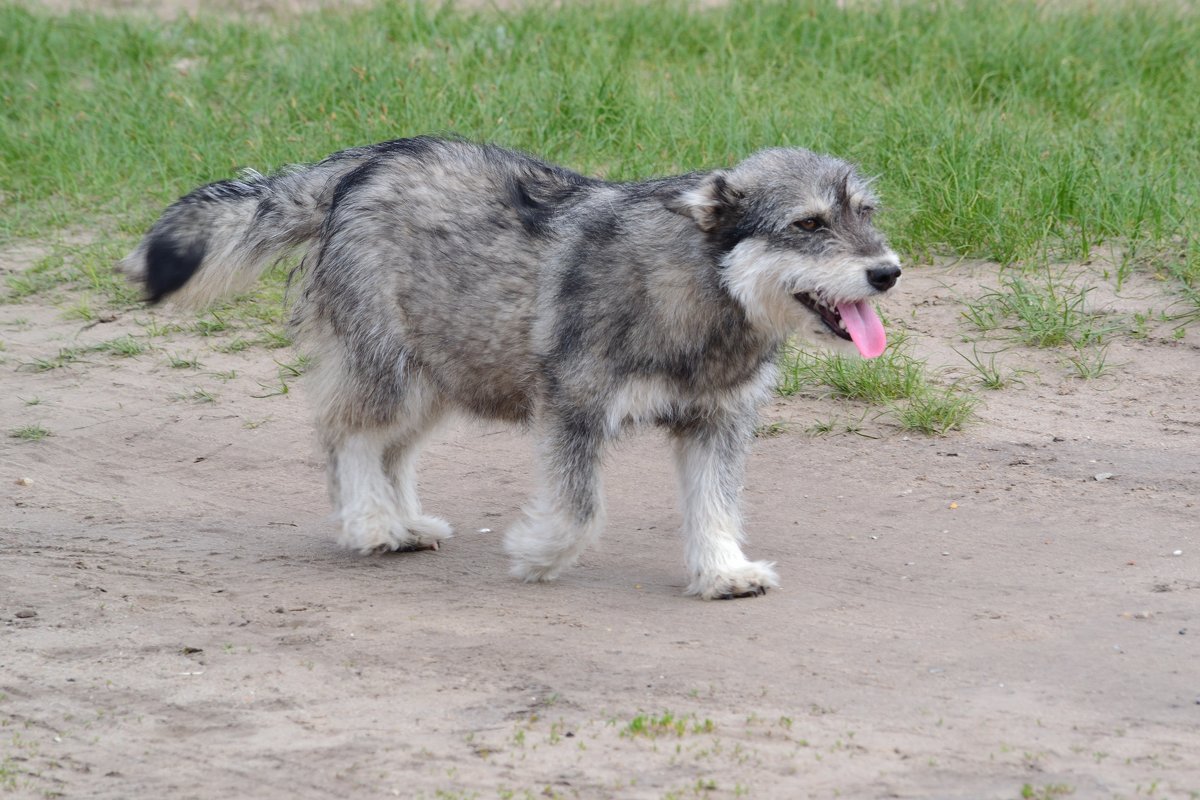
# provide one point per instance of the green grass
(29, 433)
(988, 373)
(87, 266)
(66, 356)
(896, 380)
(181, 362)
(936, 411)
(666, 724)
(999, 130)
(1045, 311)
(895, 375)
(200, 396)
(124, 346)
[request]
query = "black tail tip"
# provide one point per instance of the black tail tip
(169, 265)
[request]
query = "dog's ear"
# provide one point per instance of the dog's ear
(710, 203)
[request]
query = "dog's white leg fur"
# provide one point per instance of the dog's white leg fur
(549, 538)
(710, 472)
(378, 512)
(567, 514)
(400, 460)
(372, 465)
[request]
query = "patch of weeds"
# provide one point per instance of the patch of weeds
(835, 426)
(1045, 313)
(226, 376)
(892, 376)
(179, 362)
(33, 401)
(936, 411)
(29, 433)
(153, 328)
(667, 724)
(275, 339)
(81, 310)
(88, 266)
(987, 372)
(9, 774)
(1089, 363)
(770, 430)
(235, 345)
(1047, 792)
(48, 273)
(197, 396)
(211, 325)
(123, 346)
(273, 391)
(287, 371)
(294, 368)
(66, 355)
(895, 379)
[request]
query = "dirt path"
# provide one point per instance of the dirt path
(961, 617)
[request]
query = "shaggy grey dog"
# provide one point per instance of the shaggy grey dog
(442, 275)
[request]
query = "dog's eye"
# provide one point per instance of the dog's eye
(867, 211)
(809, 224)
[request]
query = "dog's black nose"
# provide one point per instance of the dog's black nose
(883, 278)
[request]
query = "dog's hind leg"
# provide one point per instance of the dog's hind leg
(567, 513)
(400, 463)
(710, 452)
(372, 466)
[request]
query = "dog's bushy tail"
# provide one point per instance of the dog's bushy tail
(218, 239)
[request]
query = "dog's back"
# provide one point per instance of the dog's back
(432, 254)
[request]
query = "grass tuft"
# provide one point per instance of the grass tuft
(29, 433)
(894, 375)
(895, 380)
(1041, 313)
(123, 346)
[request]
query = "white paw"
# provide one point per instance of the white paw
(381, 532)
(430, 530)
(747, 579)
(538, 557)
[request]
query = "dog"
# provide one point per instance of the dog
(441, 275)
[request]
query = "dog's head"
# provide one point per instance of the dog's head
(800, 252)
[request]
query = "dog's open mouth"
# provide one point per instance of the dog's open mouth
(853, 321)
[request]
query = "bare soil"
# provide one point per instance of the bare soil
(969, 616)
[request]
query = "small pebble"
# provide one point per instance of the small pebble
(1103, 476)
(485, 530)
(26, 613)
(1177, 553)
(24, 481)
(945, 553)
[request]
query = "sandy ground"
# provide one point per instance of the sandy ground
(972, 616)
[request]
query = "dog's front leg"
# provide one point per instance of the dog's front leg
(567, 513)
(711, 455)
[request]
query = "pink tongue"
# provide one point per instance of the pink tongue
(864, 327)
